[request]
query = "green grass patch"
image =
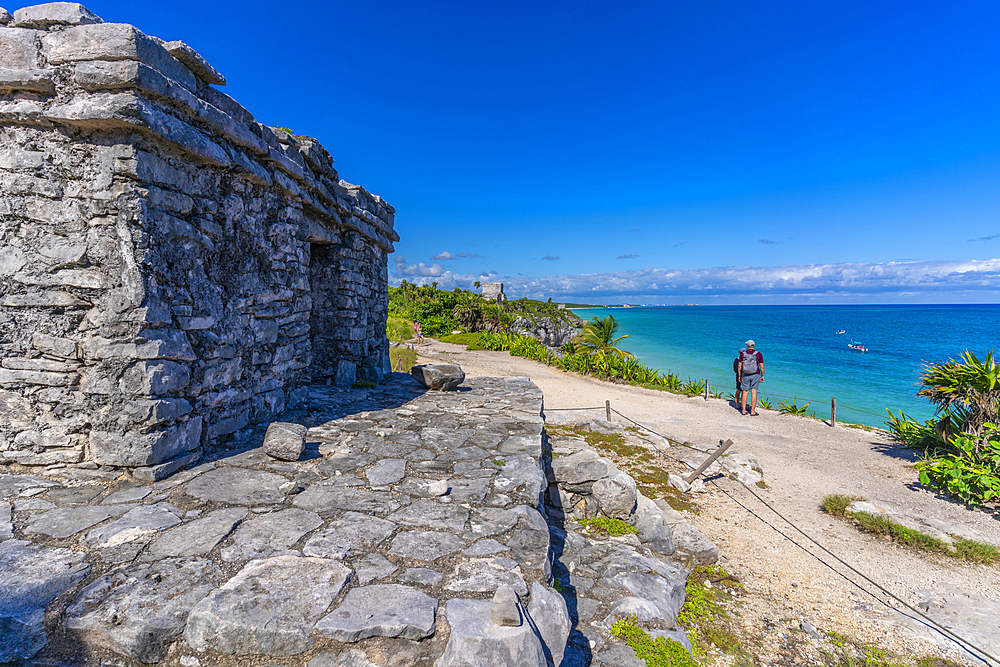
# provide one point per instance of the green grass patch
(609, 526)
(658, 652)
(837, 504)
(499, 462)
(971, 551)
(402, 358)
(703, 614)
(850, 652)
(976, 552)
(468, 339)
(880, 525)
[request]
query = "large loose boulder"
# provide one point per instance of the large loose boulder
(443, 377)
(616, 495)
(285, 441)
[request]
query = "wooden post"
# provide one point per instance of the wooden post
(833, 412)
(548, 353)
(709, 461)
(607, 408)
(706, 389)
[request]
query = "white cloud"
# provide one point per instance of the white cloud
(828, 281)
(444, 256)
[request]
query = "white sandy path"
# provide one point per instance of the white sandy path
(804, 460)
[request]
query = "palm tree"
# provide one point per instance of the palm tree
(598, 337)
(966, 391)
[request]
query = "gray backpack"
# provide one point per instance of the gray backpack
(748, 360)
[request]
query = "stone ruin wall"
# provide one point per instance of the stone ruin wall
(171, 270)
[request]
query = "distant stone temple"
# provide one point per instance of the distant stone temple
(171, 270)
(494, 292)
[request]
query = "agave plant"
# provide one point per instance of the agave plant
(791, 408)
(967, 392)
(763, 402)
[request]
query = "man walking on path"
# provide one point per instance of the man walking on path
(750, 373)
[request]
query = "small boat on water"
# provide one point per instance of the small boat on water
(857, 346)
(840, 331)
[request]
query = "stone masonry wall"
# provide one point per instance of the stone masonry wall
(171, 270)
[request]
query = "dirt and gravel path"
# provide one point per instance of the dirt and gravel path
(803, 461)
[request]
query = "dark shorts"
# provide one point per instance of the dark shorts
(750, 382)
(738, 388)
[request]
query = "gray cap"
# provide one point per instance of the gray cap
(749, 343)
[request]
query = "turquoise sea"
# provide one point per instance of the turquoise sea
(804, 357)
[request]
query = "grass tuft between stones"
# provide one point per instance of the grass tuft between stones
(608, 526)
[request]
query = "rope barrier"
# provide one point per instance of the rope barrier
(966, 645)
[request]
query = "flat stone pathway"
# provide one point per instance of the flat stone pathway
(387, 539)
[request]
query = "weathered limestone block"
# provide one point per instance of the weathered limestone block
(143, 449)
(443, 377)
(114, 41)
(476, 640)
(285, 441)
(19, 49)
(616, 495)
(194, 62)
(54, 13)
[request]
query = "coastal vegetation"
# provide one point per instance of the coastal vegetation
(577, 357)
(441, 312)
(961, 443)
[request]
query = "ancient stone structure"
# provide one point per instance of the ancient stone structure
(494, 292)
(171, 270)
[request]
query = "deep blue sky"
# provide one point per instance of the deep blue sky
(646, 152)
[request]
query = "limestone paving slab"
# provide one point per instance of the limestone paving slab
(12, 485)
(386, 471)
(136, 524)
(138, 611)
(425, 545)
(197, 537)
(431, 514)
(332, 498)
(353, 531)
(238, 486)
(385, 610)
(270, 533)
(67, 521)
(270, 607)
(31, 576)
(372, 567)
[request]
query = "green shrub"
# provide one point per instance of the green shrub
(973, 476)
(399, 330)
